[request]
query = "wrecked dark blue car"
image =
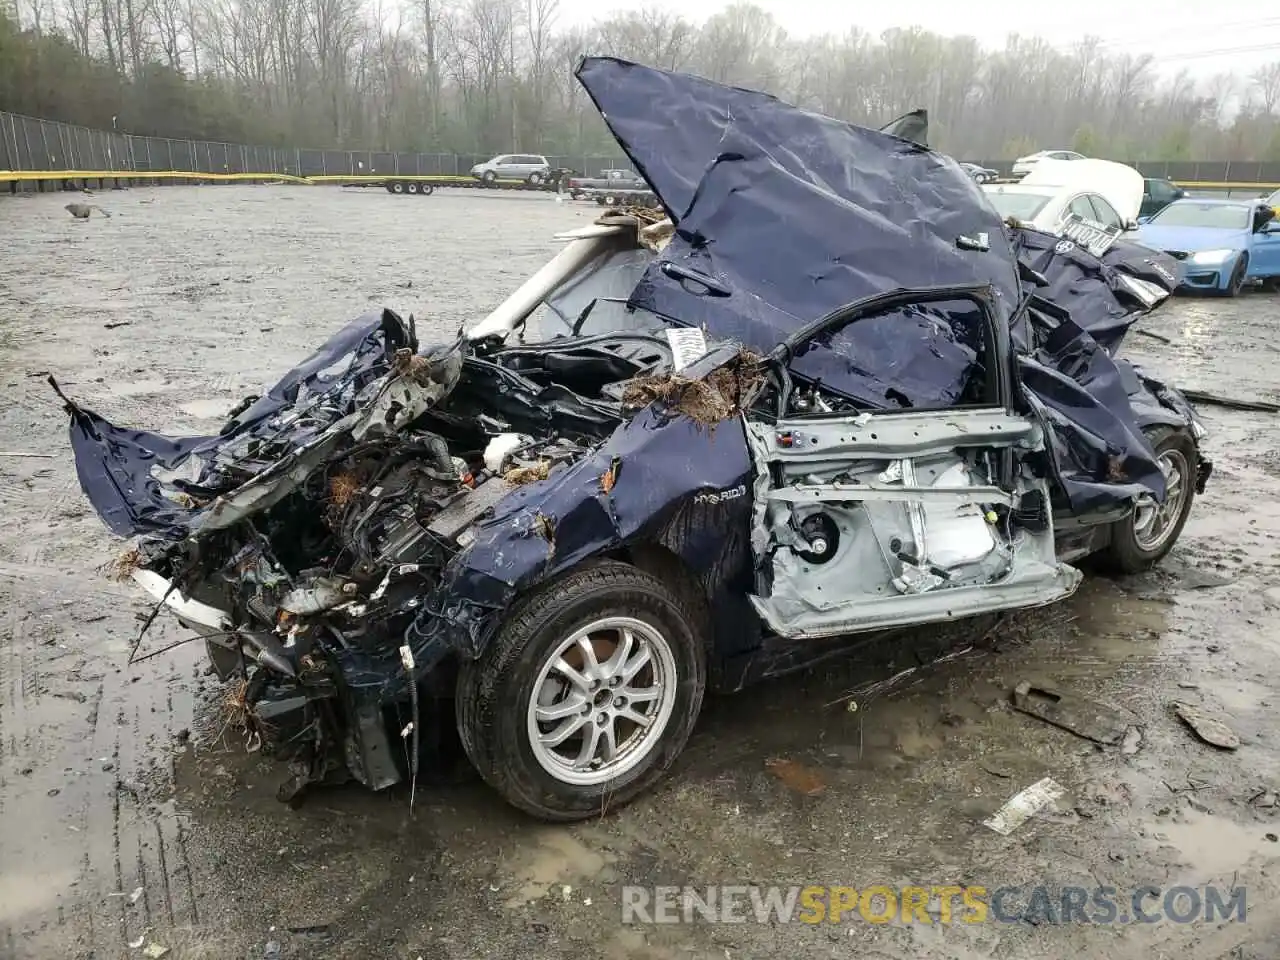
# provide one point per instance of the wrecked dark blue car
(824, 391)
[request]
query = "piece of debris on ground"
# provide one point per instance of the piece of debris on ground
(796, 776)
(1132, 741)
(1024, 805)
(1084, 718)
(1207, 726)
(123, 566)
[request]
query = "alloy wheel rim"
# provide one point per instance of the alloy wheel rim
(601, 701)
(1154, 522)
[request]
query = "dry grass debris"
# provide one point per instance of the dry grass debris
(518, 476)
(123, 566)
(722, 394)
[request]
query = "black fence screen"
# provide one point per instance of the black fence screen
(31, 145)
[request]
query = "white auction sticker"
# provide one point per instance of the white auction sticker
(687, 345)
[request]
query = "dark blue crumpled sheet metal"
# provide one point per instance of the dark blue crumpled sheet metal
(1094, 290)
(116, 464)
(789, 216)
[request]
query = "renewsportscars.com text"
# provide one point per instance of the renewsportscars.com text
(944, 904)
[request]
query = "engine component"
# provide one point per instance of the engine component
(464, 511)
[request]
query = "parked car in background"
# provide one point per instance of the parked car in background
(1024, 165)
(980, 173)
(1223, 244)
(530, 167)
(1273, 201)
(609, 181)
(1100, 191)
(1158, 193)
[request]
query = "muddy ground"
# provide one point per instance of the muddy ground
(125, 819)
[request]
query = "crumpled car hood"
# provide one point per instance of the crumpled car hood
(783, 216)
(144, 483)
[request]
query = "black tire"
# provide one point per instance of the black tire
(412, 187)
(494, 692)
(389, 186)
(397, 186)
(535, 179)
(1236, 284)
(426, 189)
(488, 178)
(610, 200)
(1126, 552)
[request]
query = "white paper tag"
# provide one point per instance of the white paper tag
(1022, 806)
(687, 345)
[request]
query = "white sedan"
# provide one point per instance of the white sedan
(1024, 165)
(1096, 190)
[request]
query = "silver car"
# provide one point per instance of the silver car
(514, 166)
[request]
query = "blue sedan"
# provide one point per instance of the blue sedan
(1223, 244)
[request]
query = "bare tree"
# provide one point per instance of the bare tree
(1267, 82)
(474, 76)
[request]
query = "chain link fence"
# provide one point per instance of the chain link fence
(31, 145)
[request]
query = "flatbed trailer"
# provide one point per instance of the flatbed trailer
(610, 198)
(425, 184)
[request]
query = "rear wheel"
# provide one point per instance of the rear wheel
(587, 694)
(426, 189)
(1142, 539)
(412, 187)
(535, 179)
(397, 186)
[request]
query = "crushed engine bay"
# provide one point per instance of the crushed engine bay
(303, 540)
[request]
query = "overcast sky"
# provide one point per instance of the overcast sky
(1205, 37)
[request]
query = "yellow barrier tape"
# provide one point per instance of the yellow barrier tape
(189, 175)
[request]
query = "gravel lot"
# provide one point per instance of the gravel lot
(125, 819)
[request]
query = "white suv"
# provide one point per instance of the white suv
(514, 166)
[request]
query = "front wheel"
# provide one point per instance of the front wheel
(587, 694)
(1236, 283)
(412, 187)
(535, 179)
(488, 178)
(1143, 538)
